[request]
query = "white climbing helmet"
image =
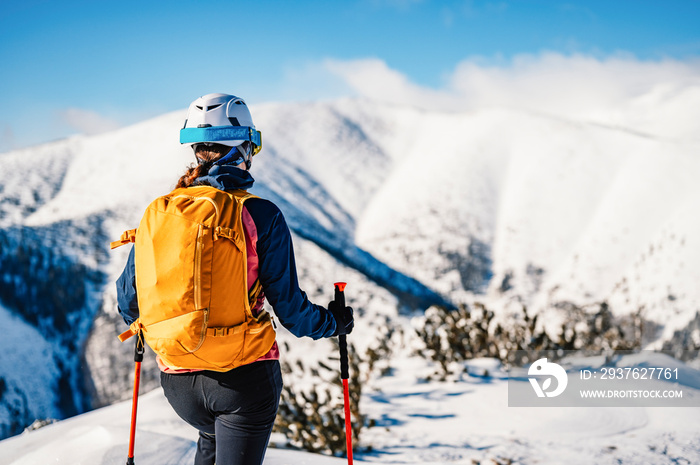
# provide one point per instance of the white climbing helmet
(221, 119)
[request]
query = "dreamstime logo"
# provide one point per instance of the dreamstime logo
(544, 368)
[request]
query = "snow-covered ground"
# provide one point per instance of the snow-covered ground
(470, 421)
(417, 422)
(101, 437)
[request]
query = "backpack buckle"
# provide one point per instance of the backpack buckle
(220, 332)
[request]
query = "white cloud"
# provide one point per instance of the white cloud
(558, 83)
(308, 80)
(657, 97)
(373, 79)
(86, 121)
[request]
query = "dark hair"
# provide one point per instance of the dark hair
(206, 156)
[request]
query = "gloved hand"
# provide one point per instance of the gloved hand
(344, 321)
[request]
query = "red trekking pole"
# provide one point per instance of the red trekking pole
(138, 358)
(344, 372)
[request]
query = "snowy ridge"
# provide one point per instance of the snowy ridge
(32, 177)
(558, 209)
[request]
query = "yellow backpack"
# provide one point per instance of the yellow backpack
(192, 283)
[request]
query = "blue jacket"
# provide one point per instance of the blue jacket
(276, 267)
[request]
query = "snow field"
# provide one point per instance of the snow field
(417, 422)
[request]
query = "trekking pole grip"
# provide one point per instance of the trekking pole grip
(342, 340)
(344, 368)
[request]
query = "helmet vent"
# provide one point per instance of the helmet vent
(209, 108)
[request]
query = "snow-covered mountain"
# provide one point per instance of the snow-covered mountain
(410, 206)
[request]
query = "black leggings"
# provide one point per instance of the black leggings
(233, 411)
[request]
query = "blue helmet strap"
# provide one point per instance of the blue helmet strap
(233, 157)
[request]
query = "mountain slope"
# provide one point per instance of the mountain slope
(418, 206)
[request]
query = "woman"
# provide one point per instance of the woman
(235, 410)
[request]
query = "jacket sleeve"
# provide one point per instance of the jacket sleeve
(127, 302)
(278, 275)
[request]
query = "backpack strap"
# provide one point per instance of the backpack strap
(133, 330)
(264, 320)
(240, 196)
(254, 292)
(227, 330)
(231, 235)
(127, 236)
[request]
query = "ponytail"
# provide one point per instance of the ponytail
(206, 156)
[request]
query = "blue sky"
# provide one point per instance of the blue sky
(72, 66)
